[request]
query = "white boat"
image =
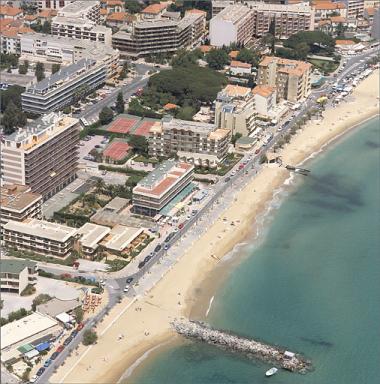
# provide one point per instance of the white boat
(271, 372)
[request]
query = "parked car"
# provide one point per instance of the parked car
(158, 247)
(180, 226)
(60, 348)
(47, 363)
(33, 379)
(54, 355)
(167, 246)
(126, 289)
(141, 264)
(74, 333)
(67, 341)
(80, 327)
(40, 371)
(129, 280)
(227, 179)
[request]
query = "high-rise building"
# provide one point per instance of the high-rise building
(290, 78)
(43, 156)
(51, 4)
(200, 143)
(64, 87)
(355, 8)
(161, 186)
(233, 24)
(235, 110)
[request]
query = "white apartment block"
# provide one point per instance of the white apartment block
(324, 10)
(355, 8)
(43, 156)
(233, 24)
(199, 143)
(82, 9)
(64, 87)
(51, 4)
(235, 110)
(39, 236)
(265, 99)
(159, 35)
(290, 78)
(50, 50)
(18, 202)
(219, 5)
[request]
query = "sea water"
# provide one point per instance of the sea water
(313, 284)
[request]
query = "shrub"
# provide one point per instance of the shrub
(89, 337)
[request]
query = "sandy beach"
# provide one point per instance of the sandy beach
(136, 326)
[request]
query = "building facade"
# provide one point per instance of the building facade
(160, 35)
(39, 236)
(18, 203)
(51, 50)
(64, 87)
(265, 99)
(200, 143)
(235, 110)
(17, 274)
(83, 9)
(326, 9)
(161, 186)
(51, 4)
(43, 156)
(233, 24)
(290, 78)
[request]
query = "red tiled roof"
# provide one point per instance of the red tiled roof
(154, 8)
(169, 106)
(10, 11)
(240, 64)
(344, 42)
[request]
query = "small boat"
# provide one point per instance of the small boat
(271, 372)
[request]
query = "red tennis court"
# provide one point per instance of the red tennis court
(121, 125)
(143, 129)
(117, 150)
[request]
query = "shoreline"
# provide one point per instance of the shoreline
(194, 275)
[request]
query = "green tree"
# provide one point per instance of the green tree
(40, 299)
(46, 27)
(185, 113)
(124, 71)
(89, 337)
(302, 50)
(40, 71)
(120, 103)
(139, 144)
(22, 70)
(25, 375)
(105, 115)
(248, 56)
(184, 57)
(55, 68)
(78, 314)
(133, 6)
(12, 118)
(217, 59)
(236, 137)
(340, 30)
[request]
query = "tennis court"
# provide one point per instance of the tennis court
(117, 150)
(122, 125)
(143, 128)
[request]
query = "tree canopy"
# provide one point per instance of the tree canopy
(12, 118)
(133, 6)
(13, 94)
(139, 144)
(120, 103)
(184, 57)
(105, 115)
(248, 56)
(89, 337)
(40, 71)
(217, 59)
(55, 68)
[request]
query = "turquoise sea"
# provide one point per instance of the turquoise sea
(312, 284)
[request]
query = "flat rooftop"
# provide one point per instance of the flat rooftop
(15, 265)
(92, 234)
(42, 228)
(56, 306)
(22, 329)
(194, 126)
(120, 237)
(233, 13)
(17, 197)
(79, 6)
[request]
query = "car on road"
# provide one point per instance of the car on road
(67, 341)
(74, 333)
(40, 371)
(61, 347)
(227, 179)
(47, 363)
(79, 328)
(54, 355)
(158, 247)
(129, 280)
(141, 264)
(180, 226)
(149, 257)
(126, 289)
(33, 379)
(169, 237)
(167, 246)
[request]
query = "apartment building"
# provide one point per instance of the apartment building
(355, 8)
(219, 5)
(291, 78)
(39, 236)
(43, 156)
(64, 87)
(8, 12)
(10, 37)
(154, 11)
(200, 143)
(265, 100)
(161, 186)
(82, 9)
(235, 110)
(159, 35)
(18, 202)
(51, 4)
(17, 274)
(288, 18)
(326, 9)
(233, 24)
(51, 50)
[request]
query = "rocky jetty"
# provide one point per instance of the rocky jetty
(251, 348)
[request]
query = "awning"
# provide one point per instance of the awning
(33, 353)
(42, 347)
(25, 348)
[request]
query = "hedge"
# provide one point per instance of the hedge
(126, 170)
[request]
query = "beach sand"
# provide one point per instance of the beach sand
(134, 327)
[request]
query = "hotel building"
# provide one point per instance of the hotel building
(51, 50)
(18, 203)
(235, 110)
(64, 87)
(159, 35)
(201, 143)
(43, 156)
(39, 236)
(233, 24)
(291, 78)
(16, 274)
(162, 185)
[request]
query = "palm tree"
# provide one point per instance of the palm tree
(99, 185)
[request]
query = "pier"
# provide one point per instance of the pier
(249, 347)
(302, 171)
